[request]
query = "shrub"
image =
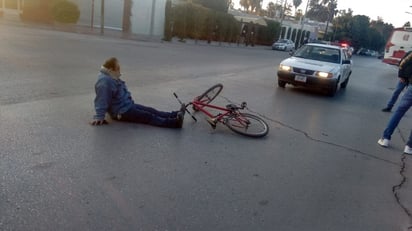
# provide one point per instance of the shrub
(65, 12)
(37, 11)
(197, 22)
(267, 35)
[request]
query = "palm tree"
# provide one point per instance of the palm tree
(245, 4)
(256, 5)
(271, 9)
(296, 3)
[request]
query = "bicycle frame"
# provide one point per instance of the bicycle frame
(200, 106)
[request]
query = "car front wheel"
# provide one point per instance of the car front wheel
(281, 83)
(332, 91)
(345, 83)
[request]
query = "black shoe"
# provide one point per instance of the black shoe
(387, 109)
(182, 109)
(179, 119)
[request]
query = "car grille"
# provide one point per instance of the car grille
(303, 71)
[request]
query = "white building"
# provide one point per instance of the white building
(148, 16)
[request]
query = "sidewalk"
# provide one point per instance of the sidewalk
(14, 20)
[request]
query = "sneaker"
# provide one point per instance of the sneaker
(387, 109)
(407, 150)
(383, 142)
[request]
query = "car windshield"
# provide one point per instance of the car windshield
(319, 53)
(283, 41)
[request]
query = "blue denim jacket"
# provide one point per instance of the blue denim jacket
(112, 96)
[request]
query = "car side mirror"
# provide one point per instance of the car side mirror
(346, 62)
(291, 53)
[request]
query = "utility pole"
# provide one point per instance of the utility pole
(152, 18)
(102, 18)
(92, 18)
(331, 13)
(303, 22)
(282, 16)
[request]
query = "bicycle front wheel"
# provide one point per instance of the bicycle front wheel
(210, 94)
(247, 125)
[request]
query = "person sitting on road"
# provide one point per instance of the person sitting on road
(112, 97)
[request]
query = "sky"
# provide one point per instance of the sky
(392, 11)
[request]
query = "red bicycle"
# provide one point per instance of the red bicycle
(239, 122)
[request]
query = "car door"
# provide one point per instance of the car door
(345, 67)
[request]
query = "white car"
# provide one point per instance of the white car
(316, 66)
(284, 45)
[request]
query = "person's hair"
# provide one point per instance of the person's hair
(111, 63)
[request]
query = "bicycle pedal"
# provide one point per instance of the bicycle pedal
(212, 122)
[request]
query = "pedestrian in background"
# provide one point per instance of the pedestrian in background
(402, 84)
(405, 73)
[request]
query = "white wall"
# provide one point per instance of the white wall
(113, 12)
(141, 15)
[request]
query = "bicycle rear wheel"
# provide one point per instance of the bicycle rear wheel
(209, 95)
(247, 125)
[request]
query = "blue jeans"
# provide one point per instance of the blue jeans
(399, 88)
(147, 115)
(404, 105)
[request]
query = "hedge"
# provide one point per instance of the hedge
(193, 21)
(48, 11)
(64, 11)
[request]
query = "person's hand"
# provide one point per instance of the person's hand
(402, 80)
(98, 122)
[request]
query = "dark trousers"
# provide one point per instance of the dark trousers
(147, 115)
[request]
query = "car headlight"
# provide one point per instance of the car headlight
(285, 68)
(324, 74)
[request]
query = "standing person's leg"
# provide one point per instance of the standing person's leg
(399, 88)
(408, 147)
(404, 105)
(137, 115)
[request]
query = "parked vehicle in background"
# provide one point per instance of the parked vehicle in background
(316, 66)
(397, 45)
(284, 45)
(364, 52)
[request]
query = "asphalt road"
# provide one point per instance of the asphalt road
(318, 169)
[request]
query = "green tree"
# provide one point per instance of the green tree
(360, 31)
(218, 5)
(256, 5)
(271, 10)
(318, 13)
(296, 4)
(245, 4)
(322, 10)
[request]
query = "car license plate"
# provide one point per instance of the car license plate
(300, 78)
